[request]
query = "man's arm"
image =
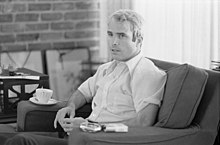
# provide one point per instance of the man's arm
(145, 117)
(76, 100)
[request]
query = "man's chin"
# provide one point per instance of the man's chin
(117, 58)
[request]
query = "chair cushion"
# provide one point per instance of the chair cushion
(183, 92)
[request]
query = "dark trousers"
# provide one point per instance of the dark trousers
(4, 136)
(33, 139)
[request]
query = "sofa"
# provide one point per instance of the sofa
(189, 113)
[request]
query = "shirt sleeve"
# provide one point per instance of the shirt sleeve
(148, 87)
(88, 88)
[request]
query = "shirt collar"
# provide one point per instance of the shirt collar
(132, 63)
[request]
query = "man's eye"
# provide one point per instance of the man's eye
(121, 35)
(110, 34)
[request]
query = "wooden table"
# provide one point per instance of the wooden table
(14, 89)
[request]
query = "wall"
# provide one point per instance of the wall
(48, 24)
(27, 26)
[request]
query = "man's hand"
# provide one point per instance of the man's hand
(69, 123)
(62, 113)
(76, 101)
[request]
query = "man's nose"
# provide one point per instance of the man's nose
(116, 41)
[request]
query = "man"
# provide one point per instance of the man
(128, 89)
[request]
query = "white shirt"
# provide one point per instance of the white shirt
(119, 90)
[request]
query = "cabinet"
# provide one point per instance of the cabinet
(15, 88)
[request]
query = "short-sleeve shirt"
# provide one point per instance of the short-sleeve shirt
(119, 90)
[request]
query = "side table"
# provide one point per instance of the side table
(23, 77)
(215, 65)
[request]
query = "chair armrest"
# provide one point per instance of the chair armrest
(32, 117)
(137, 136)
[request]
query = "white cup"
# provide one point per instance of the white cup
(43, 95)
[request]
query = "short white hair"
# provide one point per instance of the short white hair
(136, 21)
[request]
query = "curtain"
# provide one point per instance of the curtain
(183, 31)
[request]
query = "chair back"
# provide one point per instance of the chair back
(208, 112)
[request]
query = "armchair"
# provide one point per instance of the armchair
(192, 117)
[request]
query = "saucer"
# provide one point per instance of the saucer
(50, 102)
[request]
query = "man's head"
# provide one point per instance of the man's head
(125, 34)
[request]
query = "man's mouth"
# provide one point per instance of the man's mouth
(115, 50)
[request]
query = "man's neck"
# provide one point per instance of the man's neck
(137, 53)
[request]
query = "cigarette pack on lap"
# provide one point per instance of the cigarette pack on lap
(115, 127)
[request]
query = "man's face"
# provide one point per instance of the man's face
(120, 43)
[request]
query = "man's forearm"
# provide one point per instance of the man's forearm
(76, 100)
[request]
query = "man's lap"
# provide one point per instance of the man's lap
(4, 136)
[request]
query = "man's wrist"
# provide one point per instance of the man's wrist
(71, 107)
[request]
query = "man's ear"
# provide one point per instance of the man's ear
(134, 37)
(139, 41)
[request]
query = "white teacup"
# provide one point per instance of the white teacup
(43, 95)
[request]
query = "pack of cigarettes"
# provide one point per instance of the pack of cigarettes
(115, 127)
